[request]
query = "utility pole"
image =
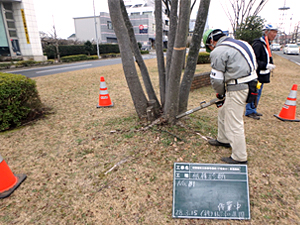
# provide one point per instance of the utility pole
(56, 41)
(282, 23)
(295, 36)
(97, 41)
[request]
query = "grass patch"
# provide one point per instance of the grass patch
(88, 165)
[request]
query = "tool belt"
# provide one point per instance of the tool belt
(242, 80)
(253, 92)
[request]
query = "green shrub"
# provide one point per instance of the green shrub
(5, 65)
(110, 55)
(203, 58)
(50, 61)
(66, 50)
(73, 58)
(19, 100)
(25, 63)
(144, 52)
(92, 57)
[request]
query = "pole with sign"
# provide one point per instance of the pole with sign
(143, 29)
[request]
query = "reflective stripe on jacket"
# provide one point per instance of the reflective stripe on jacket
(236, 59)
(263, 59)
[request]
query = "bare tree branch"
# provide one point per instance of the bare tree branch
(242, 9)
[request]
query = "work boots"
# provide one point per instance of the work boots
(253, 116)
(215, 142)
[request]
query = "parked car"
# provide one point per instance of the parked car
(145, 48)
(291, 49)
(275, 47)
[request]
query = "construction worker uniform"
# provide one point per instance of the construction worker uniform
(263, 59)
(233, 65)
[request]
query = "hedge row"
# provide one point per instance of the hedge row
(25, 63)
(66, 50)
(203, 58)
(74, 58)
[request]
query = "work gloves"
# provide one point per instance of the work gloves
(271, 67)
(222, 100)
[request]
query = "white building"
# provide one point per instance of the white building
(85, 29)
(141, 15)
(19, 35)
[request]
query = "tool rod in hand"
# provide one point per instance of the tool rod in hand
(203, 105)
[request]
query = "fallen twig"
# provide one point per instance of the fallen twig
(170, 134)
(203, 137)
(206, 138)
(155, 122)
(105, 186)
(119, 163)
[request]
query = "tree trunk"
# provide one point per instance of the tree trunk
(159, 51)
(135, 87)
(171, 35)
(169, 88)
(172, 94)
(139, 58)
(193, 55)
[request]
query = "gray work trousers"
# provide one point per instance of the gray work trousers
(231, 123)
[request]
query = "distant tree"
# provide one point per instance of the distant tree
(88, 47)
(48, 42)
(56, 42)
(168, 6)
(250, 29)
(242, 9)
(140, 45)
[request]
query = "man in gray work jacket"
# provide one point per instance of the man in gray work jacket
(233, 73)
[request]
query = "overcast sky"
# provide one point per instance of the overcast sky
(62, 12)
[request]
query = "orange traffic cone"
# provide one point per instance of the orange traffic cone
(104, 99)
(8, 181)
(288, 111)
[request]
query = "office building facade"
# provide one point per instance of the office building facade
(141, 15)
(19, 35)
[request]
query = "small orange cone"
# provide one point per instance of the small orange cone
(288, 111)
(8, 181)
(104, 99)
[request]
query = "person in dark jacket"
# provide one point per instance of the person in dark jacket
(261, 47)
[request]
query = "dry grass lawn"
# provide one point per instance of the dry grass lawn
(67, 155)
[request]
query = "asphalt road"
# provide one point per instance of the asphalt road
(67, 67)
(292, 58)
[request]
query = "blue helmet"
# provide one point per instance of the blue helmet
(270, 27)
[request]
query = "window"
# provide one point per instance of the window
(167, 22)
(7, 6)
(134, 14)
(109, 25)
(9, 15)
(147, 13)
(138, 6)
(12, 33)
(11, 24)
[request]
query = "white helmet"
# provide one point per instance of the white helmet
(270, 27)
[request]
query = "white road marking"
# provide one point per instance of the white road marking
(65, 68)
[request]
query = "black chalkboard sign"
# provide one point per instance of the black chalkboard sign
(210, 191)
